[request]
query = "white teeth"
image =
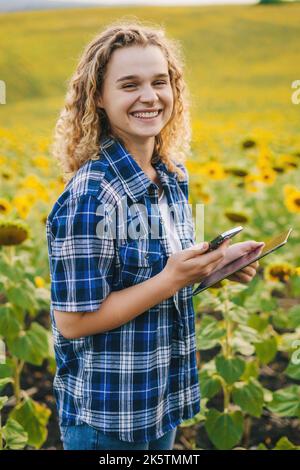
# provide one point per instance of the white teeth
(146, 115)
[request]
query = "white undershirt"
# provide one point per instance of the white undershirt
(169, 223)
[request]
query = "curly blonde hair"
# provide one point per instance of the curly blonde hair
(82, 123)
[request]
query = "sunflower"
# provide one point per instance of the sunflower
(43, 144)
(5, 206)
(13, 232)
(289, 189)
(279, 272)
(32, 182)
(236, 171)
(42, 162)
(235, 216)
(263, 162)
(3, 160)
(251, 183)
(199, 193)
(192, 167)
(39, 281)
(289, 161)
(248, 143)
(278, 168)
(7, 174)
(213, 170)
(23, 204)
(292, 201)
(267, 175)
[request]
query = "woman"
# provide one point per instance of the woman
(122, 269)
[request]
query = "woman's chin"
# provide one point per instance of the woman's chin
(145, 135)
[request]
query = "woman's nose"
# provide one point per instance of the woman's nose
(148, 94)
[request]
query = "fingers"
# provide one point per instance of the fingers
(249, 270)
(195, 250)
(218, 254)
(251, 244)
(240, 277)
(244, 277)
(209, 261)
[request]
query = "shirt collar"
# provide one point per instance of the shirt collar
(134, 180)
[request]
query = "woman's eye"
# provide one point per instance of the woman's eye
(160, 82)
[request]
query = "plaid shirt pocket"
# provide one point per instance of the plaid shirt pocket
(139, 263)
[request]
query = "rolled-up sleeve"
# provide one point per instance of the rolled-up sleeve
(81, 261)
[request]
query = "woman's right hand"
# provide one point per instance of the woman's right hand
(191, 265)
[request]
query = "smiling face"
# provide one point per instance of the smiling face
(147, 89)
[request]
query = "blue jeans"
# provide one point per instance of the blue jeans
(85, 437)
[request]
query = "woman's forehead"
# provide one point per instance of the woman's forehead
(137, 60)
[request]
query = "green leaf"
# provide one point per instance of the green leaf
(14, 435)
(7, 271)
(239, 315)
(258, 322)
(33, 417)
(9, 325)
(242, 346)
(285, 444)
(295, 286)
(251, 370)
(290, 342)
(268, 305)
(293, 371)
(3, 400)
(286, 402)
(294, 316)
(247, 333)
(243, 338)
(261, 446)
(241, 297)
(224, 429)
(5, 381)
(32, 345)
(7, 369)
(209, 336)
(230, 369)
(266, 350)
(209, 385)
(268, 395)
(280, 319)
(249, 397)
(23, 296)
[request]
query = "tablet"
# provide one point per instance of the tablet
(243, 261)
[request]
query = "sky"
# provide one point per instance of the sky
(159, 2)
(19, 5)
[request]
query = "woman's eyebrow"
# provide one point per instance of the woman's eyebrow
(130, 77)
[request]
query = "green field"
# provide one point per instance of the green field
(240, 61)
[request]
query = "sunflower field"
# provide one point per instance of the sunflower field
(241, 62)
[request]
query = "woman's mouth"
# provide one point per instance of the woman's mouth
(146, 116)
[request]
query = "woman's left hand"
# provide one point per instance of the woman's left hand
(246, 274)
(236, 250)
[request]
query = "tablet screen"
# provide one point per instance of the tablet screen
(243, 261)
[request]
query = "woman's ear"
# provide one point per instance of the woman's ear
(99, 102)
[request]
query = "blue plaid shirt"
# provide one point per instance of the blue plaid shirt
(137, 381)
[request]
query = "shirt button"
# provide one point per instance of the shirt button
(152, 188)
